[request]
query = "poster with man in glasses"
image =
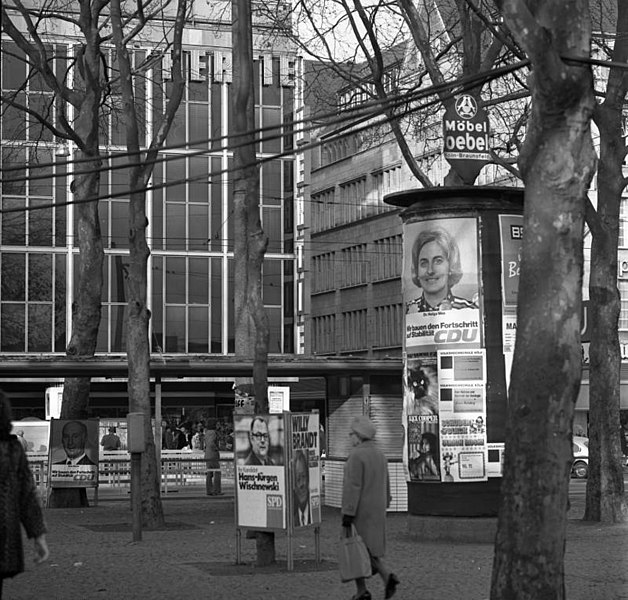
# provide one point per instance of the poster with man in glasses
(259, 471)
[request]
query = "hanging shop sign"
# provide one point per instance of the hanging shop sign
(466, 136)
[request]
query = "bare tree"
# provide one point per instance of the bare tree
(428, 44)
(124, 28)
(250, 241)
(557, 163)
(605, 500)
(84, 95)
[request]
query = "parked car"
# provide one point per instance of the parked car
(580, 468)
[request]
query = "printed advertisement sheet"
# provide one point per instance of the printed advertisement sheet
(463, 444)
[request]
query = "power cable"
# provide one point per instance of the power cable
(365, 111)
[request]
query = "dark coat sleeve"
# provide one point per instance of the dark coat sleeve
(31, 515)
(19, 504)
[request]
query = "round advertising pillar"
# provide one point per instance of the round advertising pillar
(461, 249)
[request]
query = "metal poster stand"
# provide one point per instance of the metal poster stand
(289, 474)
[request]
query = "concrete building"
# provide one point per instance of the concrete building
(191, 288)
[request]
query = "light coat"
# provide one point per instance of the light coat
(366, 494)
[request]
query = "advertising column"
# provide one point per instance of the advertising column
(445, 365)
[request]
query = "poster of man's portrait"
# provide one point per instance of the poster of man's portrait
(73, 459)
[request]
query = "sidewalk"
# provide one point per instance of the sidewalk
(93, 557)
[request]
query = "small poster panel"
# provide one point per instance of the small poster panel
(463, 445)
(511, 237)
(305, 471)
(423, 448)
(36, 435)
(73, 457)
(260, 479)
(495, 462)
(278, 398)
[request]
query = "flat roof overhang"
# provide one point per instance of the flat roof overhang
(288, 366)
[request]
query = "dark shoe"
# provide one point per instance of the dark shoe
(363, 596)
(391, 585)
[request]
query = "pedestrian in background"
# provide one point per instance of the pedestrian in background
(365, 498)
(22, 439)
(111, 441)
(19, 502)
(213, 479)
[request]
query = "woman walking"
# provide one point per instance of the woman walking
(18, 502)
(365, 498)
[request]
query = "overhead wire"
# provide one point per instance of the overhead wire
(366, 110)
(361, 115)
(365, 113)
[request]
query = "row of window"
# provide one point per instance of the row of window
(386, 332)
(188, 315)
(365, 91)
(198, 119)
(357, 265)
(354, 200)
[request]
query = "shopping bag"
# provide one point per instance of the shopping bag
(353, 556)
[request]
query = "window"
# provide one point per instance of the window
(323, 271)
(354, 265)
(323, 334)
(623, 313)
(32, 307)
(352, 201)
(387, 258)
(323, 210)
(388, 325)
(354, 330)
(623, 223)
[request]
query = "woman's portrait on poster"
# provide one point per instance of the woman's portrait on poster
(436, 269)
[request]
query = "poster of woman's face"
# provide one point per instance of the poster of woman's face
(441, 270)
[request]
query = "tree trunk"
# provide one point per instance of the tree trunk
(250, 242)
(87, 302)
(138, 315)
(557, 163)
(605, 499)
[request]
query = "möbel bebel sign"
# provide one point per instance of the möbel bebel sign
(466, 131)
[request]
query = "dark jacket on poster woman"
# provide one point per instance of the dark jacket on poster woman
(19, 505)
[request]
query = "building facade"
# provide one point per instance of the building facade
(190, 231)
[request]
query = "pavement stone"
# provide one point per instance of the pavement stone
(93, 557)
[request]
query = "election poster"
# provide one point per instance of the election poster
(36, 435)
(73, 456)
(305, 469)
(260, 477)
(462, 411)
(441, 285)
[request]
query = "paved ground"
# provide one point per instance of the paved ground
(93, 557)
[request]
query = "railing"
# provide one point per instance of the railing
(178, 469)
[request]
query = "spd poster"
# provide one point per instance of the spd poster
(260, 479)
